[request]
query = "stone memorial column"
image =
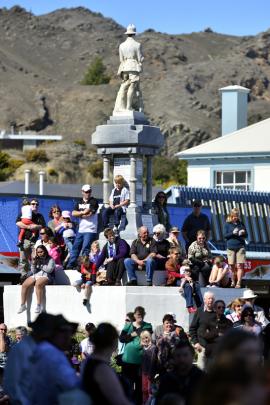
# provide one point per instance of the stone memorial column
(106, 180)
(133, 181)
(149, 181)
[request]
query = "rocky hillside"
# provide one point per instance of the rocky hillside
(44, 58)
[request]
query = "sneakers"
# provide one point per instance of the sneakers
(191, 310)
(38, 309)
(22, 309)
(132, 282)
(85, 302)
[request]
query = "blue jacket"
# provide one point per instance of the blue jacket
(234, 242)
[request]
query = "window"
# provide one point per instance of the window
(235, 180)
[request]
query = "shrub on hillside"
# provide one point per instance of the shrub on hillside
(96, 73)
(36, 155)
(96, 169)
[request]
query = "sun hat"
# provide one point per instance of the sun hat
(248, 294)
(131, 30)
(86, 187)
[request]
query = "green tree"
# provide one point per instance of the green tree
(168, 171)
(96, 73)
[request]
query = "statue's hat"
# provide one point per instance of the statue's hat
(131, 30)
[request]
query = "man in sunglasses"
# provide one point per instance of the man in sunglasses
(86, 211)
(194, 222)
(29, 239)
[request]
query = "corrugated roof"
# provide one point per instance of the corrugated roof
(254, 139)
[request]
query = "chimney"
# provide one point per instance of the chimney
(234, 108)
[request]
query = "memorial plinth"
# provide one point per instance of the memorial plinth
(126, 140)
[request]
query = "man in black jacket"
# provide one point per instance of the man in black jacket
(184, 377)
(204, 316)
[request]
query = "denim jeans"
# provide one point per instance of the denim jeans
(117, 213)
(188, 294)
(131, 267)
(81, 246)
(69, 243)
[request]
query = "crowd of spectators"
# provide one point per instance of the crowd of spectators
(69, 241)
(222, 358)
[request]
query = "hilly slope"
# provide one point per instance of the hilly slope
(47, 56)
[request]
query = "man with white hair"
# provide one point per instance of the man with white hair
(202, 317)
(163, 246)
(143, 252)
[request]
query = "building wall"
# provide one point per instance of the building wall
(261, 178)
(199, 176)
(202, 175)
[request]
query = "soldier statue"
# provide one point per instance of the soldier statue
(131, 59)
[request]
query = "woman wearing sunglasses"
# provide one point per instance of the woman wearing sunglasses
(200, 256)
(42, 273)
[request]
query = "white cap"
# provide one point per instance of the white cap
(86, 187)
(66, 214)
(131, 30)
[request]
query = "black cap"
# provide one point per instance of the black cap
(197, 203)
(46, 325)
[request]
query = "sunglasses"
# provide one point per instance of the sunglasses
(87, 192)
(156, 233)
(161, 196)
(42, 233)
(4, 330)
(33, 203)
(238, 306)
(127, 320)
(65, 218)
(220, 307)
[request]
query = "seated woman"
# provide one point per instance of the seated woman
(56, 216)
(220, 274)
(112, 256)
(200, 256)
(45, 234)
(42, 273)
(160, 209)
(119, 200)
(247, 321)
(162, 245)
(236, 309)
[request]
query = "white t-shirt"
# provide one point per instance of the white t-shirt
(26, 212)
(86, 347)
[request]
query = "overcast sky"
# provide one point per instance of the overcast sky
(236, 17)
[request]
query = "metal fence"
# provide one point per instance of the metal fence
(254, 208)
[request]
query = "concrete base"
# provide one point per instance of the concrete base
(68, 277)
(108, 304)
